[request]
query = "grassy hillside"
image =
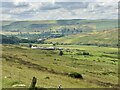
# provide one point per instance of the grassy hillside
(99, 68)
(95, 38)
(28, 26)
(97, 65)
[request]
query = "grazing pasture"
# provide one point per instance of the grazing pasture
(73, 53)
(97, 66)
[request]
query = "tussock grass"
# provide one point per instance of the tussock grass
(22, 64)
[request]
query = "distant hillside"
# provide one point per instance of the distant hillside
(25, 26)
(54, 25)
(33, 30)
(103, 38)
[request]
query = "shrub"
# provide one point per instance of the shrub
(30, 45)
(47, 77)
(75, 75)
(61, 53)
(86, 53)
(54, 44)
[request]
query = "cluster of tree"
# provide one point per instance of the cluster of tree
(14, 40)
(40, 25)
(27, 41)
(68, 31)
(9, 40)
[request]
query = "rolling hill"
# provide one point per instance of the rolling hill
(55, 28)
(109, 38)
(27, 26)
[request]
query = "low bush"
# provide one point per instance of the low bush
(85, 53)
(61, 53)
(47, 77)
(75, 75)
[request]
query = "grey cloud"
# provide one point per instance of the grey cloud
(99, 8)
(49, 6)
(65, 5)
(72, 5)
(22, 5)
(12, 5)
(69, 9)
(7, 5)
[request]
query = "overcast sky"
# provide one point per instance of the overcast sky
(58, 9)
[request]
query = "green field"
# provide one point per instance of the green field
(49, 28)
(109, 37)
(99, 69)
(89, 47)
